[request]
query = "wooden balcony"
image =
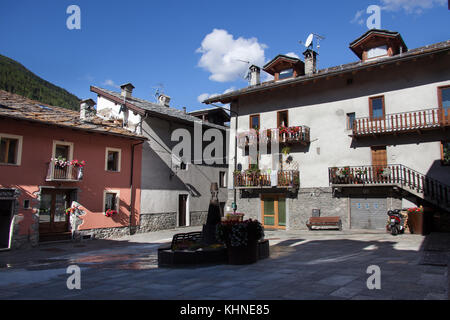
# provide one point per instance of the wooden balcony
(284, 179)
(414, 121)
(287, 135)
(392, 175)
(69, 173)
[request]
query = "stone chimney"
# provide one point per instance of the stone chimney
(126, 90)
(255, 75)
(310, 61)
(87, 109)
(164, 100)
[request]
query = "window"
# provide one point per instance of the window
(63, 150)
(282, 119)
(445, 153)
(376, 106)
(111, 200)
(377, 52)
(350, 119)
(26, 204)
(113, 159)
(10, 149)
(254, 122)
(222, 179)
(288, 73)
(444, 98)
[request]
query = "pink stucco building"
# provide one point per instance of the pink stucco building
(42, 173)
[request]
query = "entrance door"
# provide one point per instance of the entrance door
(379, 160)
(6, 207)
(273, 211)
(182, 204)
(52, 213)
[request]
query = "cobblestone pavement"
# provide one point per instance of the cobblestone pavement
(303, 265)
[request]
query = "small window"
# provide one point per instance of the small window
(282, 119)
(350, 120)
(113, 160)
(444, 99)
(445, 153)
(254, 122)
(183, 166)
(26, 204)
(10, 149)
(376, 106)
(288, 73)
(222, 179)
(111, 201)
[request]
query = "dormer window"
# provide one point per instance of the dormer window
(377, 52)
(289, 73)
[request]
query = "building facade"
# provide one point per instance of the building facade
(176, 188)
(354, 140)
(61, 171)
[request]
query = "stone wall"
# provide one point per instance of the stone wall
(157, 221)
(104, 233)
(198, 218)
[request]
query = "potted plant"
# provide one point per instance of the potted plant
(241, 239)
(110, 212)
(415, 220)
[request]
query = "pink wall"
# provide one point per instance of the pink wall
(91, 147)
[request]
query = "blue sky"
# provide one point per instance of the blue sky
(191, 47)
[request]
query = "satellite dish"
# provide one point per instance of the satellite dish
(309, 40)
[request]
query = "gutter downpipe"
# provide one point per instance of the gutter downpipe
(234, 205)
(131, 178)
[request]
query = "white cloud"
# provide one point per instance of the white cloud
(221, 54)
(411, 6)
(358, 17)
(292, 54)
(110, 83)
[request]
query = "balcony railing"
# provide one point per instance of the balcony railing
(282, 179)
(392, 174)
(64, 173)
(402, 122)
(295, 134)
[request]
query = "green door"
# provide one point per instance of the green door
(273, 211)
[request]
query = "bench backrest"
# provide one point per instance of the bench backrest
(324, 219)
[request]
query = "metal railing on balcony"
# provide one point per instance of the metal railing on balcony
(402, 122)
(282, 179)
(295, 134)
(392, 174)
(64, 173)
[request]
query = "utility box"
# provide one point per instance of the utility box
(316, 212)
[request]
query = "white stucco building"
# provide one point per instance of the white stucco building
(365, 137)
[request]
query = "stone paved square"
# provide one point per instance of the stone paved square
(303, 265)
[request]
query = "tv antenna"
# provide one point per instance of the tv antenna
(309, 43)
(159, 89)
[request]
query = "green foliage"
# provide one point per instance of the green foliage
(15, 78)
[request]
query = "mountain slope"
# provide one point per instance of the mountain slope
(15, 78)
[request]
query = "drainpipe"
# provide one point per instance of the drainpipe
(131, 183)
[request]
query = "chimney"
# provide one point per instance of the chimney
(86, 108)
(164, 100)
(310, 61)
(184, 110)
(255, 75)
(126, 90)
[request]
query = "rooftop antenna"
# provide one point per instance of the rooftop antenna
(159, 89)
(309, 43)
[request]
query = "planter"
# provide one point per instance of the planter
(415, 223)
(243, 255)
(235, 217)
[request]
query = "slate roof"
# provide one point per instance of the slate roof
(21, 108)
(334, 71)
(153, 108)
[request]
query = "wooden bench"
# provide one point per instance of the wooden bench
(334, 222)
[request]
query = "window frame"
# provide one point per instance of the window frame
(349, 123)
(439, 91)
(117, 193)
(251, 121)
(371, 107)
(119, 161)
(279, 117)
(18, 157)
(63, 143)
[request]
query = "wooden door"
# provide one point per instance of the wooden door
(379, 161)
(182, 202)
(52, 212)
(273, 213)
